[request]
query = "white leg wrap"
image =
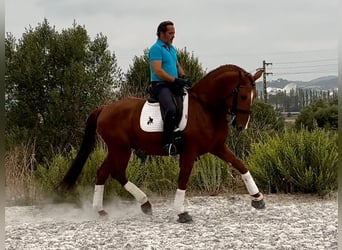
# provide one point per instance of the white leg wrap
(139, 195)
(98, 197)
(250, 184)
(179, 201)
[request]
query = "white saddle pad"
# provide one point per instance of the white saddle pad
(151, 120)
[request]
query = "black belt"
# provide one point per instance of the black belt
(157, 83)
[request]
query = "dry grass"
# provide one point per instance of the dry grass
(20, 185)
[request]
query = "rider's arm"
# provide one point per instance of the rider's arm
(180, 69)
(158, 71)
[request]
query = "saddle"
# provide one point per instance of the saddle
(151, 118)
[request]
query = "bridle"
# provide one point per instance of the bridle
(235, 94)
(234, 110)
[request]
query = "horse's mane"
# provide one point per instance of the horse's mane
(226, 67)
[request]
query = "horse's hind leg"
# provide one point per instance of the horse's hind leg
(116, 164)
(227, 155)
(102, 175)
(119, 173)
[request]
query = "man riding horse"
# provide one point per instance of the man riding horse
(227, 89)
(167, 78)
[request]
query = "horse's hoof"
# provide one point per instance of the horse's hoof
(258, 204)
(184, 218)
(102, 213)
(147, 208)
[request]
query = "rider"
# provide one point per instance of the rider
(166, 74)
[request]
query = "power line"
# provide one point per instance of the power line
(317, 66)
(304, 72)
(260, 53)
(308, 61)
(301, 52)
(306, 66)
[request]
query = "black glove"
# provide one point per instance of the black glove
(184, 81)
(188, 81)
(180, 82)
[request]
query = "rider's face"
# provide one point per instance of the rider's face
(167, 37)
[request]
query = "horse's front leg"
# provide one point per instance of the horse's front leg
(186, 163)
(228, 156)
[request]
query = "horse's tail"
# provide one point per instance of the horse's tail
(87, 146)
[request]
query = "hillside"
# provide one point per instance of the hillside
(324, 83)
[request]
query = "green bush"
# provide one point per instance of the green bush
(291, 162)
(53, 171)
(265, 122)
(319, 114)
(265, 118)
(300, 161)
(157, 175)
(50, 174)
(210, 175)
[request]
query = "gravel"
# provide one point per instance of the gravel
(220, 222)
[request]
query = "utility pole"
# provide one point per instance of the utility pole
(264, 64)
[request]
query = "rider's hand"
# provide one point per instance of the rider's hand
(188, 81)
(183, 81)
(180, 82)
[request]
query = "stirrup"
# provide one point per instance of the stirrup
(170, 149)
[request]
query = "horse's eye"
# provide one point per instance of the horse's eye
(244, 98)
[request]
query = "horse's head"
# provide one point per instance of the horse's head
(243, 98)
(231, 89)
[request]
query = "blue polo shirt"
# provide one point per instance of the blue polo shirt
(167, 55)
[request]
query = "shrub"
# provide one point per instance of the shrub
(210, 175)
(20, 186)
(265, 118)
(53, 171)
(157, 175)
(300, 161)
(264, 122)
(319, 114)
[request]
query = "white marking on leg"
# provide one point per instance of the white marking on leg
(250, 184)
(139, 195)
(179, 201)
(98, 197)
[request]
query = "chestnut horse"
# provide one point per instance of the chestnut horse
(226, 90)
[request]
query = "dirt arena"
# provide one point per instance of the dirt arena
(220, 222)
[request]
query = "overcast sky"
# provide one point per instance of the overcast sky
(299, 37)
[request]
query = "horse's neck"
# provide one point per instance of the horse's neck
(215, 86)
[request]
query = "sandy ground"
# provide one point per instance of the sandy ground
(220, 222)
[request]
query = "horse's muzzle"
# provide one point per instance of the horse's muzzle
(235, 125)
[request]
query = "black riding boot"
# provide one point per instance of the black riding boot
(167, 136)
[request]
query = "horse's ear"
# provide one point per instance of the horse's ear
(258, 74)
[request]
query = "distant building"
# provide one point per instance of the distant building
(287, 89)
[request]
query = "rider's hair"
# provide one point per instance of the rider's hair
(163, 27)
